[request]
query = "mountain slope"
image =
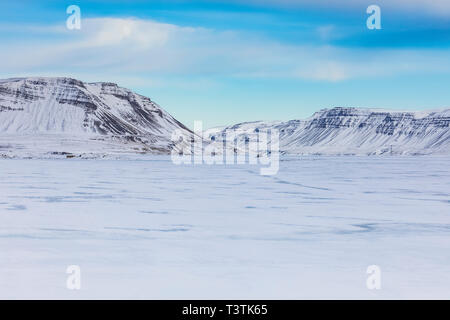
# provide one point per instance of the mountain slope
(356, 131)
(53, 110)
(64, 117)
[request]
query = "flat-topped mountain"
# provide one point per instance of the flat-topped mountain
(54, 117)
(358, 131)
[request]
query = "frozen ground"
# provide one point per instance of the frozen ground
(150, 229)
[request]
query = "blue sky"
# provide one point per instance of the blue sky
(224, 62)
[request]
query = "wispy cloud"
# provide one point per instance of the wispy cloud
(129, 45)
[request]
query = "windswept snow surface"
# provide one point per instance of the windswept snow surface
(148, 229)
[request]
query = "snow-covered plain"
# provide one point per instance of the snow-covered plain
(148, 229)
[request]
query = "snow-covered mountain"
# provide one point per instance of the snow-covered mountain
(358, 131)
(64, 116)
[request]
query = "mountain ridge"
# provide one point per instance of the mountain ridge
(48, 116)
(62, 107)
(350, 130)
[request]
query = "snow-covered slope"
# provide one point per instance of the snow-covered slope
(357, 131)
(62, 115)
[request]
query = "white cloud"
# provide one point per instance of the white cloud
(141, 33)
(132, 46)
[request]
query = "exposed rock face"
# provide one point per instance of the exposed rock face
(61, 107)
(42, 117)
(355, 131)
